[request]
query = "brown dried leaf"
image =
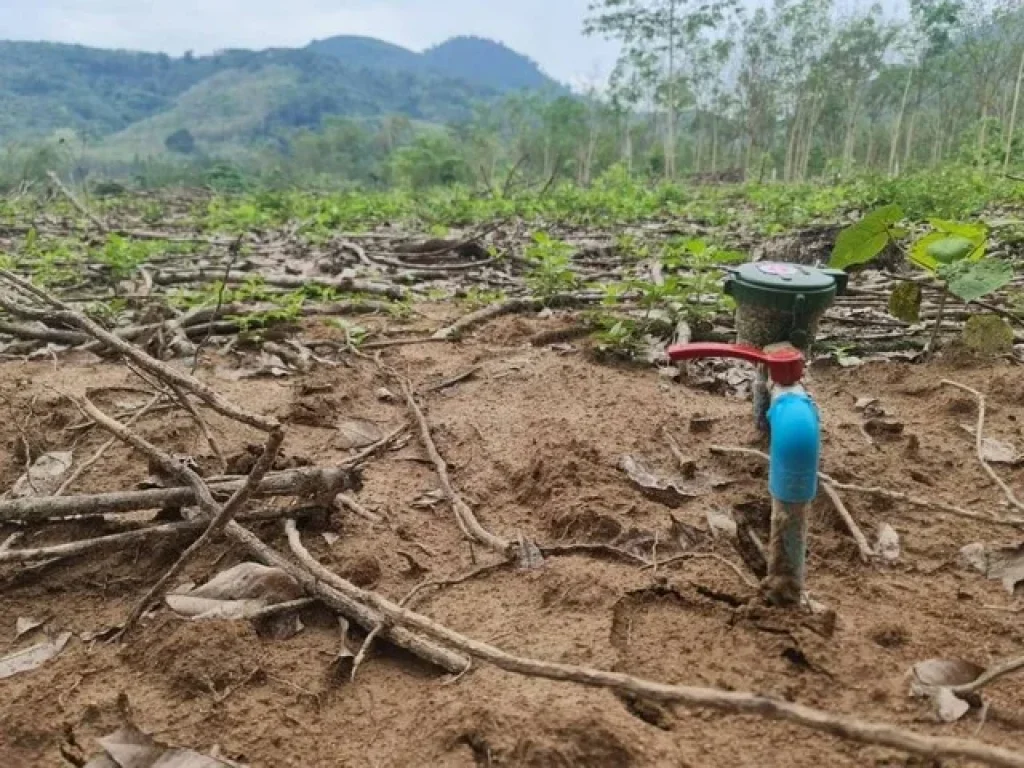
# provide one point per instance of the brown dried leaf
(999, 452)
(45, 475)
(671, 492)
(1005, 564)
(357, 433)
(129, 747)
(31, 658)
(237, 593)
(25, 624)
(934, 679)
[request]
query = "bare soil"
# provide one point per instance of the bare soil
(533, 440)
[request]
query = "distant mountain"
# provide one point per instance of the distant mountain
(488, 63)
(472, 59)
(131, 101)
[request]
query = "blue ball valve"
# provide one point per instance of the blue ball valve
(795, 455)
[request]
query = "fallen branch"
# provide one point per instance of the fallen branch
(354, 506)
(219, 516)
(464, 515)
(99, 543)
(990, 675)
(203, 426)
(979, 439)
(353, 609)
(733, 702)
(100, 224)
(349, 284)
(62, 314)
(305, 482)
(866, 553)
(481, 316)
(81, 468)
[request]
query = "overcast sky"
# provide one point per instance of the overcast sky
(549, 31)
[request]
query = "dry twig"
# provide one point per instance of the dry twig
(464, 516)
(733, 702)
(979, 440)
(219, 516)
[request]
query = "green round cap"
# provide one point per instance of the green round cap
(785, 286)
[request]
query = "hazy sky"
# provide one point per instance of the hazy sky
(549, 31)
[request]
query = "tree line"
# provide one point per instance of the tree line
(791, 90)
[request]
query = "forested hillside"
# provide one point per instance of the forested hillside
(236, 95)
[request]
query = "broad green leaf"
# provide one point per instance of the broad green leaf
(975, 232)
(988, 335)
(971, 280)
(920, 255)
(695, 246)
(950, 249)
(863, 241)
(905, 302)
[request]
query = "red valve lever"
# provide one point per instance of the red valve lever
(785, 366)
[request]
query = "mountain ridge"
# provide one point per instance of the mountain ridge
(101, 94)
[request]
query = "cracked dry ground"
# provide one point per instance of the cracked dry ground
(533, 440)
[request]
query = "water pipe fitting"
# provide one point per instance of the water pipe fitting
(794, 457)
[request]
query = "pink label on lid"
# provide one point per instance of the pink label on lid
(776, 268)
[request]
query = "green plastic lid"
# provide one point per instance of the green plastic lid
(785, 286)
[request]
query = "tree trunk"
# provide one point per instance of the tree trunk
(787, 173)
(1013, 115)
(908, 148)
(714, 143)
(894, 146)
(670, 134)
(627, 147)
(983, 133)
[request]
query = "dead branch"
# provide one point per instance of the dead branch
(81, 468)
(197, 417)
(353, 609)
(307, 482)
(464, 515)
(687, 556)
(63, 314)
(732, 702)
(481, 316)
(233, 253)
(885, 493)
(354, 506)
(979, 439)
(96, 220)
(990, 675)
(866, 553)
(349, 284)
(372, 450)
(99, 543)
(218, 516)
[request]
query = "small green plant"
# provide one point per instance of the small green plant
(477, 298)
(551, 271)
(953, 253)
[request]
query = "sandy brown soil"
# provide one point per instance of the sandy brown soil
(533, 441)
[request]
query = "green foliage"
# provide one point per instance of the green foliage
(949, 242)
(905, 302)
(971, 280)
(955, 253)
(551, 271)
(863, 241)
(988, 335)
